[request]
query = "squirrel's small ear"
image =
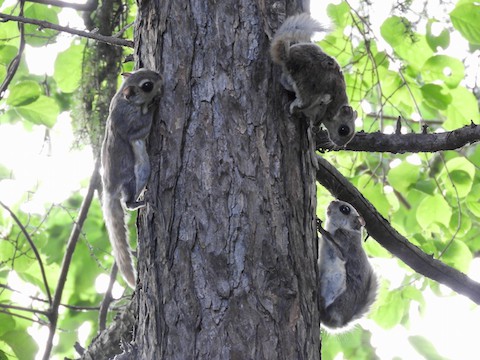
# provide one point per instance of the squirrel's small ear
(361, 222)
(126, 74)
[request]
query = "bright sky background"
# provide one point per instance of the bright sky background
(450, 323)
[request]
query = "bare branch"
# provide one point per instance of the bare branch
(107, 300)
(21, 317)
(89, 35)
(71, 307)
(13, 66)
(402, 143)
(21, 308)
(34, 249)
(72, 242)
(379, 228)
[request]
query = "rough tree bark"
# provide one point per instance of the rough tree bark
(227, 243)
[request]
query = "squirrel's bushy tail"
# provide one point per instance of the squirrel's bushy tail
(370, 295)
(295, 29)
(118, 232)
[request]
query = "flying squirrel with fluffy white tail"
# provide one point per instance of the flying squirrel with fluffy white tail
(125, 161)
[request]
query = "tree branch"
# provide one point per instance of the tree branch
(22, 317)
(379, 228)
(72, 242)
(21, 308)
(34, 249)
(13, 66)
(89, 35)
(70, 307)
(401, 143)
(107, 300)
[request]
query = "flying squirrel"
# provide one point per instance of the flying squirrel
(314, 77)
(348, 284)
(125, 161)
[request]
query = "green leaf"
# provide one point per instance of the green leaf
(461, 173)
(44, 111)
(436, 96)
(390, 311)
(3, 355)
(39, 36)
(412, 293)
(24, 93)
(465, 224)
(373, 191)
(426, 186)
(394, 29)
(68, 68)
(410, 46)
(7, 321)
(462, 182)
(474, 154)
(425, 348)
(21, 343)
(9, 32)
(445, 68)
(442, 40)
(7, 53)
(403, 176)
(466, 19)
(462, 110)
(5, 173)
(374, 249)
(458, 255)
(339, 13)
(473, 200)
(433, 209)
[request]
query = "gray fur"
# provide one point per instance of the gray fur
(125, 161)
(348, 285)
(315, 77)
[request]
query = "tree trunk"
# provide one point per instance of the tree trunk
(227, 244)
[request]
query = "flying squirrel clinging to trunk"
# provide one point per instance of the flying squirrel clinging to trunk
(125, 161)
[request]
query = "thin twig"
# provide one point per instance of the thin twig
(21, 308)
(34, 248)
(72, 242)
(21, 316)
(107, 300)
(122, 30)
(45, 24)
(70, 307)
(13, 66)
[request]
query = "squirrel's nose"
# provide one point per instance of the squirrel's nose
(128, 92)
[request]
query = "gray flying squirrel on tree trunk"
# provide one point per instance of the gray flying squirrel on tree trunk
(314, 77)
(348, 285)
(125, 161)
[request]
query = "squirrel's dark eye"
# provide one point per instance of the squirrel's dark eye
(147, 86)
(343, 130)
(344, 209)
